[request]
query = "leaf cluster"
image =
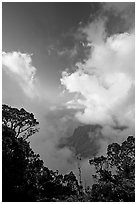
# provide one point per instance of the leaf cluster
(115, 173)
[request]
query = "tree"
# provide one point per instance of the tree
(20, 121)
(24, 176)
(21, 169)
(115, 173)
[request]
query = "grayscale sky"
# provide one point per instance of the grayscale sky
(70, 63)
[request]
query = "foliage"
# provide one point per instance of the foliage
(24, 176)
(115, 173)
(20, 168)
(20, 121)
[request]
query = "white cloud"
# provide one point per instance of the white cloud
(18, 65)
(105, 79)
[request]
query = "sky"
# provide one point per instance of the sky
(70, 63)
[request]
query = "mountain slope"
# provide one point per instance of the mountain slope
(85, 140)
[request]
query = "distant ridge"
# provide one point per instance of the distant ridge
(84, 141)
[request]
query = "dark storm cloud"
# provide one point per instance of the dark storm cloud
(121, 17)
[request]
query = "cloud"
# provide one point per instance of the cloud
(117, 6)
(19, 66)
(103, 90)
(57, 123)
(62, 51)
(106, 78)
(120, 16)
(68, 52)
(98, 31)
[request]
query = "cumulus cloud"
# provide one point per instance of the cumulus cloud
(19, 66)
(105, 79)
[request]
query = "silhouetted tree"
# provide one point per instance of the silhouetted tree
(21, 169)
(24, 176)
(20, 121)
(115, 173)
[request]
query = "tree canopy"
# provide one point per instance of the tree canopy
(115, 173)
(24, 176)
(20, 121)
